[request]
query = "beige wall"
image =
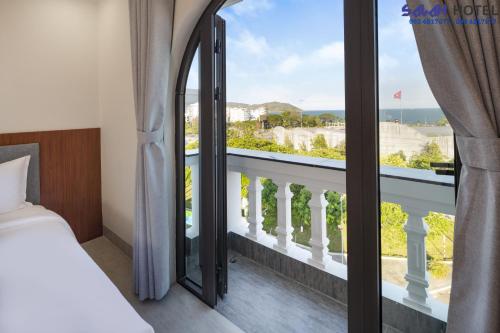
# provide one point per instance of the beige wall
(48, 65)
(116, 106)
(67, 64)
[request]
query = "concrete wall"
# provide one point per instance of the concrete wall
(48, 65)
(393, 138)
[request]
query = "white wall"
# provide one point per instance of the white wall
(48, 65)
(116, 104)
(67, 64)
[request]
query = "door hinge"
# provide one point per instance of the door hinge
(218, 46)
(217, 94)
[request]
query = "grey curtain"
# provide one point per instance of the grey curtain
(151, 35)
(461, 63)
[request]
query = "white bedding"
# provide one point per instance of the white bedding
(48, 283)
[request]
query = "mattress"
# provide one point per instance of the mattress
(49, 284)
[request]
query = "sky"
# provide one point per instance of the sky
(293, 51)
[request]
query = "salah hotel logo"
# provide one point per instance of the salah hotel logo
(452, 14)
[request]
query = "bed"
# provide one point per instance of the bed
(48, 283)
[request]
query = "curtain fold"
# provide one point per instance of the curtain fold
(461, 64)
(151, 35)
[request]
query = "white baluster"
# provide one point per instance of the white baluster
(319, 240)
(254, 208)
(234, 217)
(418, 281)
(284, 212)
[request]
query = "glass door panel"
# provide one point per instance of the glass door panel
(417, 199)
(192, 174)
(201, 156)
(286, 138)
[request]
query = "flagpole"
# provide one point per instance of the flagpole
(401, 110)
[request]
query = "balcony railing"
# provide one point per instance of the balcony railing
(417, 191)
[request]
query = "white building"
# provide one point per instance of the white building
(234, 114)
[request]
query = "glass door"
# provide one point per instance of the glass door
(416, 156)
(201, 258)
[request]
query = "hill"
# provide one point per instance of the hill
(270, 107)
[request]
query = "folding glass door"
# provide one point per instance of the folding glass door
(417, 184)
(201, 260)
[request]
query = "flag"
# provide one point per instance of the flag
(397, 95)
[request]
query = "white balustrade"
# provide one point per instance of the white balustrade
(319, 240)
(417, 277)
(417, 197)
(284, 211)
(255, 218)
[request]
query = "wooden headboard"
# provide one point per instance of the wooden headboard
(70, 176)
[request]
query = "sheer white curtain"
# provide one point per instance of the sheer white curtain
(158, 46)
(151, 24)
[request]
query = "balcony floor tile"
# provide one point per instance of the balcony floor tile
(261, 300)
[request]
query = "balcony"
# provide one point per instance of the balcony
(409, 303)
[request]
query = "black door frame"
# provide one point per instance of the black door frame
(212, 173)
(364, 282)
(362, 166)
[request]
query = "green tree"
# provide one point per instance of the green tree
(269, 206)
(336, 215)
(430, 153)
(301, 214)
(319, 142)
(289, 142)
(393, 235)
(442, 122)
(396, 159)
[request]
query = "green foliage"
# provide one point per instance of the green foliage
(430, 153)
(269, 206)
(288, 143)
(191, 127)
(188, 187)
(442, 122)
(319, 142)
(393, 235)
(336, 218)
(251, 142)
(301, 214)
(245, 182)
(192, 145)
(439, 241)
(397, 159)
(438, 270)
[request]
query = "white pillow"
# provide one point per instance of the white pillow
(13, 182)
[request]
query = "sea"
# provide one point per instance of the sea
(408, 116)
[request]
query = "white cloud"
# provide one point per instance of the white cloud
(252, 44)
(289, 64)
(322, 101)
(398, 28)
(332, 53)
(251, 7)
(386, 61)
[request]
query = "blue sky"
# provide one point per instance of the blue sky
(292, 51)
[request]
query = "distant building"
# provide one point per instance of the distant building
(192, 112)
(235, 113)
